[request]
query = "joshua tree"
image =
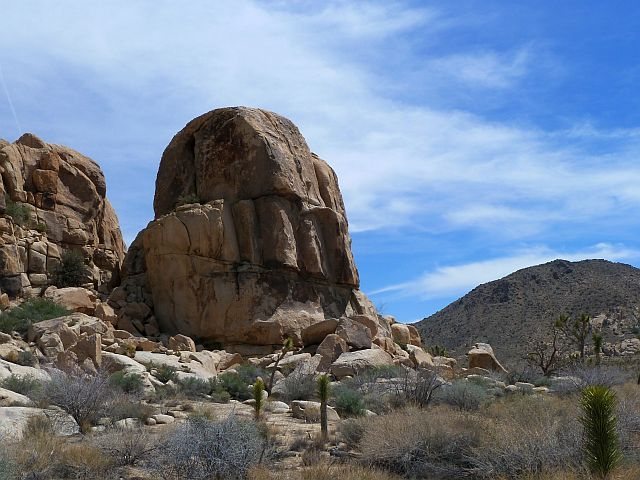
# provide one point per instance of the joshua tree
(597, 346)
(600, 436)
(258, 389)
(323, 392)
(287, 346)
(576, 331)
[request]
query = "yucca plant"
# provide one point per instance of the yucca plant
(601, 447)
(597, 346)
(258, 389)
(324, 388)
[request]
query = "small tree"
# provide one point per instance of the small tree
(324, 388)
(287, 346)
(258, 391)
(548, 356)
(601, 445)
(597, 346)
(71, 272)
(576, 331)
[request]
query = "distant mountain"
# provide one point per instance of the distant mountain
(511, 312)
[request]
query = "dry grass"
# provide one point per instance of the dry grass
(322, 471)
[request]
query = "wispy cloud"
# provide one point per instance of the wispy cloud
(456, 280)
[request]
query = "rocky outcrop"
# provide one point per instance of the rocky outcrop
(250, 243)
(53, 199)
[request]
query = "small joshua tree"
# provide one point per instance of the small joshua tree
(597, 346)
(324, 388)
(258, 389)
(287, 346)
(600, 436)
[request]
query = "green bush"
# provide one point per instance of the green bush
(131, 383)
(19, 212)
(71, 272)
(348, 402)
(31, 311)
(463, 395)
(23, 384)
(237, 383)
(217, 392)
(126, 407)
(194, 387)
(165, 373)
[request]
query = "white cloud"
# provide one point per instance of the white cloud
(155, 65)
(458, 279)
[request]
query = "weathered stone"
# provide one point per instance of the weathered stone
(9, 399)
(310, 411)
(330, 349)
(414, 336)
(401, 333)
(182, 343)
(106, 313)
(350, 363)
(419, 357)
(76, 299)
(260, 249)
(354, 333)
(13, 420)
(45, 180)
(482, 356)
(89, 347)
(316, 332)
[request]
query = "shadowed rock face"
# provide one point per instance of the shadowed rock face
(250, 242)
(61, 196)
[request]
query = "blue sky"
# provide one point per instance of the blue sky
(471, 138)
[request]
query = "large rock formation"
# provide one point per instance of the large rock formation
(53, 199)
(250, 242)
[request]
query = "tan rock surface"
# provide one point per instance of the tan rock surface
(61, 196)
(262, 255)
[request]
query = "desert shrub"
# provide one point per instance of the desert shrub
(586, 375)
(434, 443)
(127, 407)
(22, 384)
(19, 212)
(84, 397)
(463, 395)
(217, 391)
(8, 469)
(415, 387)
(127, 382)
(351, 430)
(26, 358)
(237, 383)
(348, 402)
(187, 198)
(529, 435)
(127, 447)
(298, 385)
(322, 471)
(628, 415)
(165, 373)
(192, 387)
(31, 311)
(71, 272)
(203, 449)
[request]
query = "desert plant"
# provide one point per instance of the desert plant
(127, 382)
(127, 447)
(416, 387)
(549, 355)
(299, 385)
(71, 272)
(23, 384)
(19, 212)
(30, 311)
(287, 346)
(597, 346)
(438, 351)
(237, 383)
(165, 373)
(187, 198)
(601, 446)
(463, 395)
(576, 331)
(217, 391)
(192, 387)
(202, 449)
(84, 397)
(127, 407)
(324, 388)
(258, 398)
(348, 402)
